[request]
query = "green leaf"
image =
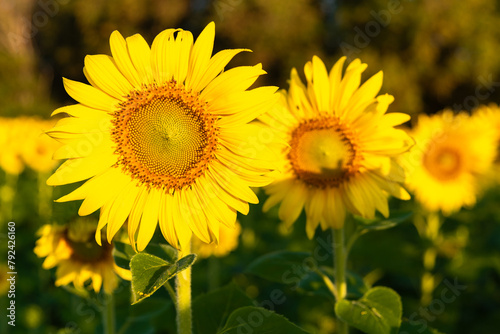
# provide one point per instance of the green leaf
(396, 218)
(149, 273)
(377, 312)
(282, 266)
(251, 319)
(122, 253)
(211, 310)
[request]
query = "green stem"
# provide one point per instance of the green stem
(184, 316)
(432, 233)
(339, 260)
(109, 315)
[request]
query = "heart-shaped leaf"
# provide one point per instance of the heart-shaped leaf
(379, 311)
(149, 273)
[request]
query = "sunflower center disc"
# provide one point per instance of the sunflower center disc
(323, 152)
(444, 163)
(165, 136)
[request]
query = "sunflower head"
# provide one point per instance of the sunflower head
(451, 153)
(78, 258)
(162, 134)
(341, 146)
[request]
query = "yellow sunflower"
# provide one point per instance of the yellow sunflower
(450, 153)
(341, 149)
(24, 143)
(163, 135)
(228, 242)
(78, 257)
(37, 148)
(11, 160)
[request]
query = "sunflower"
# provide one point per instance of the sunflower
(450, 154)
(341, 147)
(163, 134)
(228, 242)
(24, 143)
(36, 147)
(78, 257)
(11, 160)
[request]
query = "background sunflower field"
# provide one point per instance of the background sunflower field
(435, 55)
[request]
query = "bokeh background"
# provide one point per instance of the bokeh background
(434, 54)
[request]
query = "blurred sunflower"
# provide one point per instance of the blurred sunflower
(37, 148)
(451, 152)
(341, 150)
(10, 157)
(228, 241)
(24, 143)
(161, 133)
(78, 257)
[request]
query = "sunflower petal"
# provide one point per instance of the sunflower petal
(140, 54)
(90, 96)
(106, 76)
(122, 59)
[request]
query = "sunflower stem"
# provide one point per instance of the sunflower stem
(339, 263)
(109, 314)
(183, 280)
(432, 233)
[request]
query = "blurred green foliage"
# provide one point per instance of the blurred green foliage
(433, 53)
